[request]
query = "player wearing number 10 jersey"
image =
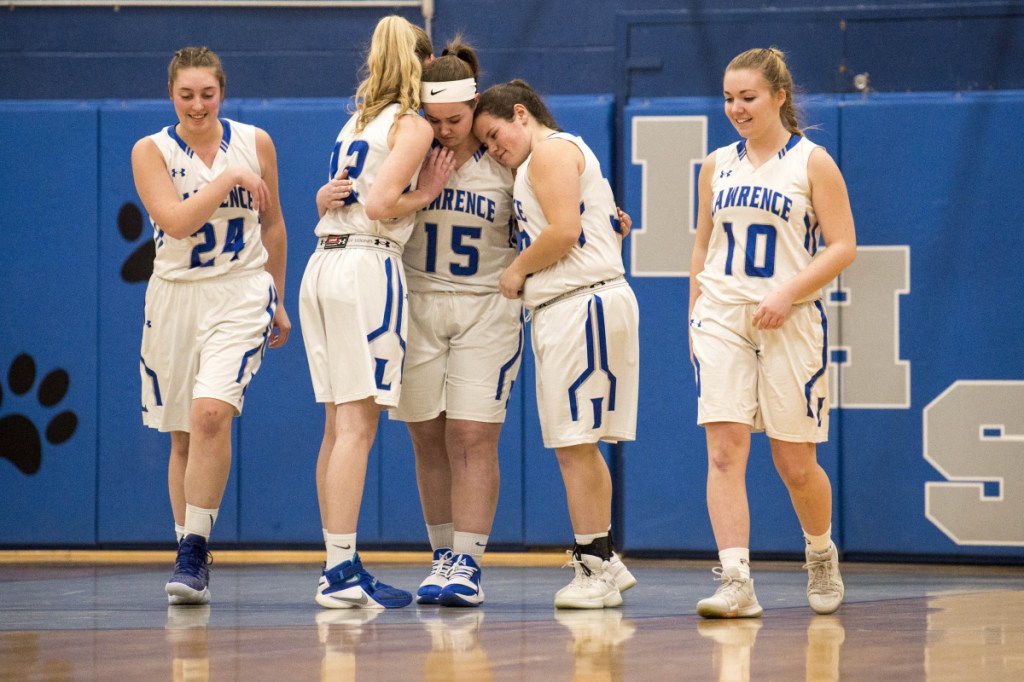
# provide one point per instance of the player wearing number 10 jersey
(758, 329)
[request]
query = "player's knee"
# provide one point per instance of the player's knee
(210, 420)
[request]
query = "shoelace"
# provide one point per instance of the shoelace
(821, 576)
(461, 569)
(441, 566)
(729, 584)
(576, 562)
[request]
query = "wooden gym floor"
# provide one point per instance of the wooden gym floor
(104, 616)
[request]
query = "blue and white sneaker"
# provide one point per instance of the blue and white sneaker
(191, 580)
(463, 587)
(349, 586)
(430, 588)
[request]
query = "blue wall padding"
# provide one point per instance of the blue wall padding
(934, 176)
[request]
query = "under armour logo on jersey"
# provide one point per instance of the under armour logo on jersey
(721, 174)
(175, 172)
(382, 242)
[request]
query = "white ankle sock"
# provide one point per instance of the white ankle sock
(441, 535)
(199, 521)
(472, 544)
(736, 557)
(819, 543)
(340, 547)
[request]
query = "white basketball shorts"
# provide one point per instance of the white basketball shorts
(353, 312)
(775, 381)
(203, 339)
(587, 351)
(463, 356)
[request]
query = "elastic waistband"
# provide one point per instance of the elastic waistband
(359, 241)
(582, 290)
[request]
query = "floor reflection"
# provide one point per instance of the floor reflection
(905, 623)
(456, 652)
(187, 635)
(597, 642)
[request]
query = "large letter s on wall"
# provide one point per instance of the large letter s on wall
(974, 433)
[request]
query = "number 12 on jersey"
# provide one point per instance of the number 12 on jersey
(357, 149)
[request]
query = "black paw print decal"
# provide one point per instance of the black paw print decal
(19, 438)
(139, 265)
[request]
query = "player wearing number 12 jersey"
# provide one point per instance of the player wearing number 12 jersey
(352, 302)
(215, 300)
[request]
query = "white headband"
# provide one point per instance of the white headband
(448, 91)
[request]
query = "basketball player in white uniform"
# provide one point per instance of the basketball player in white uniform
(465, 338)
(569, 273)
(352, 302)
(757, 326)
(215, 300)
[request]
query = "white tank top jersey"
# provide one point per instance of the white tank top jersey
(363, 153)
(765, 231)
(229, 242)
(597, 254)
(464, 240)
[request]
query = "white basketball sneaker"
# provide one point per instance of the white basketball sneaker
(593, 586)
(825, 588)
(734, 598)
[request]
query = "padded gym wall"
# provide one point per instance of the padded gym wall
(925, 326)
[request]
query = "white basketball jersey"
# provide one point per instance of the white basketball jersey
(230, 241)
(597, 254)
(463, 240)
(363, 154)
(765, 231)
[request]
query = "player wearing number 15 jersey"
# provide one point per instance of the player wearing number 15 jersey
(465, 338)
(215, 300)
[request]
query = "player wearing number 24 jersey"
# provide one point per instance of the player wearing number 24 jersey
(215, 302)
(229, 241)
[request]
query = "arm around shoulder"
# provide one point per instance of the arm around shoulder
(387, 198)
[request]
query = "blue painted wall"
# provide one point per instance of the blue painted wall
(933, 179)
(76, 305)
(926, 435)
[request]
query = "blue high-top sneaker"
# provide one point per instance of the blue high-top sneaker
(349, 586)
(191, 579)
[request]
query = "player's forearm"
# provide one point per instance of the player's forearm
(696, 267)
(182, 219)
(275, 241)
(822, 270)
(548, 248)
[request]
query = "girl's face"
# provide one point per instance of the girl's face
(452, 123)
(750, 105)
(507, 141)
(196, 94)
